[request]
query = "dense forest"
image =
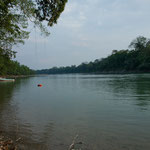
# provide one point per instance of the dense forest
(133, 60)
(10, 67)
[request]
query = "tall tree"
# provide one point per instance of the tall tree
(14, 17)
(139, 43)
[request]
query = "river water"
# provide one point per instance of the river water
(107, 112)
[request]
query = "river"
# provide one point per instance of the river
(107, 112)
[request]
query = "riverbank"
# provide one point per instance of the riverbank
(101, 73)
(8, 144)
(15, 76)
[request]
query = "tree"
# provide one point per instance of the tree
(14, 17)
(49, 10)
(139, 43)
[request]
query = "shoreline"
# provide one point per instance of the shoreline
(101, 73)
(15, 76)
(7, 143)
(97, 73)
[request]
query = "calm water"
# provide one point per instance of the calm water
(108, 112)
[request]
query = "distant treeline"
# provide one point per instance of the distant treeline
(10, 67)
(137, 59)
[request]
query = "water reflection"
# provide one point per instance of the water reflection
(102, 109)
(11, 125)
(121, 87)
(6, 90)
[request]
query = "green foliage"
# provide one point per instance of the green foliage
(49, 10)
(14, 16)
(11, 27)
(123, 61)
(139, 43)
(9, 67)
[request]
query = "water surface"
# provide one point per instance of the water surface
(108, 112)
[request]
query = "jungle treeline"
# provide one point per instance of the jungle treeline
(10, 67)
(136, 59)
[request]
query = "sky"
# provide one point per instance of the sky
(86, 30)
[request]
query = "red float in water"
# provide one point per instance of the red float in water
(40, 85)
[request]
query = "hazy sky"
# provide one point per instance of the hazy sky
(87, 30)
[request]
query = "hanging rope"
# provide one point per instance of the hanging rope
(36, 47)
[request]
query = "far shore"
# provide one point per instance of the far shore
(102, 73)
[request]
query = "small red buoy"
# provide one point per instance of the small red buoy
(39, 85)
